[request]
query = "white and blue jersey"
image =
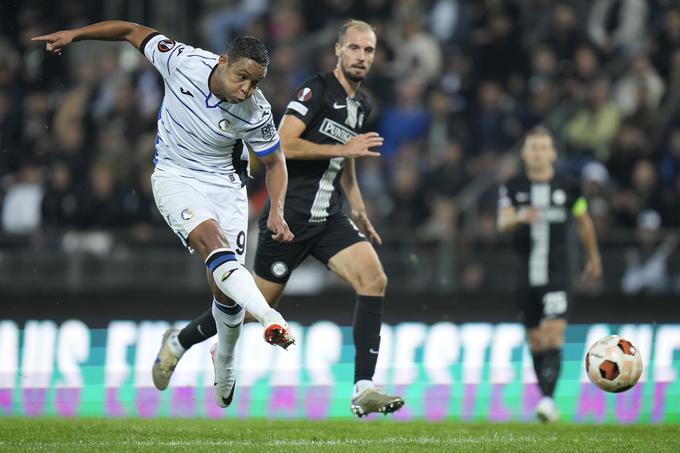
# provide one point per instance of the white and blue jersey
(200, 136)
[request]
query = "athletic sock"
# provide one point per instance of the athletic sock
(228, 320)
(175, 346)
(366, 334)
(550, 371)
(198, 330)
(236, 282)
(360, 386)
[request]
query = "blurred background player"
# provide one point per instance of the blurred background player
(321, 135)
(537, 207)
(212, 107)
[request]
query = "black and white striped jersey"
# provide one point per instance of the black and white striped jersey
(331, 117)
(543, 245)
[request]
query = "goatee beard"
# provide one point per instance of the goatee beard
(351, 77)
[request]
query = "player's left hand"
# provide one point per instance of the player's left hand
(593, 270)
(279, 228)
(366, 227)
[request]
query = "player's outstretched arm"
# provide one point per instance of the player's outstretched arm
(350, 186)
(294, 147)
(277, 182)
(586, 232)
(110, 30)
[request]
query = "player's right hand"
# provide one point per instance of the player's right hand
(527, 215)
(361, 145)
(56, 41)
(279, 228)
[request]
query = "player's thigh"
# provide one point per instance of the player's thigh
(274, 260)
(529, 310)
(184, 207)
(342, 247)
(360, 266)
(231, 206)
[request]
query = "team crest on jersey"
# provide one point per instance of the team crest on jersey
(187, 214)
(304, 94)
(268, 131)
(279, 269)
(224, 124)
(559, 197)
(166, 45)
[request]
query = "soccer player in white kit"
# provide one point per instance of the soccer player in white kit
(212, 111)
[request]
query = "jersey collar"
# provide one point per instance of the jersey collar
(210, 93)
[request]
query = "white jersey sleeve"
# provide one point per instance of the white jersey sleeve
(262, 136)
(164, 53)
(263, 139)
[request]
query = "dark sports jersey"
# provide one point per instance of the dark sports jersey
(331, 117)
(543, 245)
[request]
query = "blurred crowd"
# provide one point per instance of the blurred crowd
(456, 84)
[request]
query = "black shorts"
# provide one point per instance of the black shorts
(274, 261)
(542, 302)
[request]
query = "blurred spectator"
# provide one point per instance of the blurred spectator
(666, 41)
(646, 264)
(498, 47)
(630, 146)
(101, 206)
(592, 128)
(563, 34)
(617, 25)
(404, 122)
(639, 87)
(418, 55)
(493, 125)
(21, 208)
(60, 206)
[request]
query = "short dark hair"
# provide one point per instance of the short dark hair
(248, 47)
(539, 130)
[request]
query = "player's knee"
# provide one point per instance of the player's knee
(373, 283)
(535, 340)
(206, 237)
(554, 341)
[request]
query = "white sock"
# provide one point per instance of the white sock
(175, 346)
(229, 321)
(236, 282)
(362, 385)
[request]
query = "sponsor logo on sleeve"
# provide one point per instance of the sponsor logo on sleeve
(268, 131)
(166, 45)
(304, 94)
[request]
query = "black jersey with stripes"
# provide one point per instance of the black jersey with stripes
(544, 245)
(331, 118)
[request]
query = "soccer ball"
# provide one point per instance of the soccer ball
(613, 364)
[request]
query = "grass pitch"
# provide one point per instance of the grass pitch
(384, 435)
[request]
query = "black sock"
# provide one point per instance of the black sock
(198, 330)
(550, 371)
(366, 333)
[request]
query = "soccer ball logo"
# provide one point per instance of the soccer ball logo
(613, 364)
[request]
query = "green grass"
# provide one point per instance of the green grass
(384, 435)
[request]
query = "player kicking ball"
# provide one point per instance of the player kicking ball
(322, 132)
(537, 209)
(212, 108)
